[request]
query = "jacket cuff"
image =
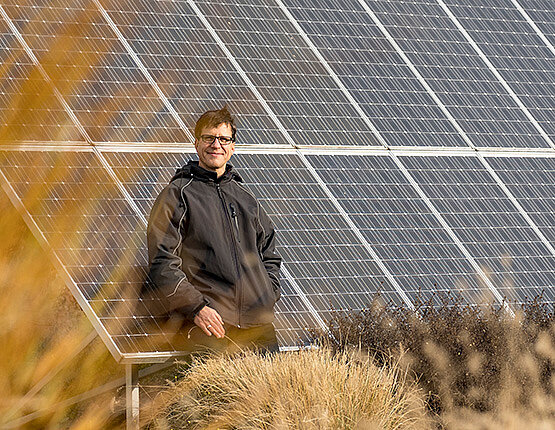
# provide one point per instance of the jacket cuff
(199, 308)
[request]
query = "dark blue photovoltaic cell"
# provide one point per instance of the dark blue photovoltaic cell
(455, 72)
(189, 66)
(403, 231)
(319, 249)
(380, 81)
(532, 182)
(29, 110)
(297, 87)
(488, 224)
(90, 67)
(516, 51)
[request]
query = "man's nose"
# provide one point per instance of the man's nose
(217, 139)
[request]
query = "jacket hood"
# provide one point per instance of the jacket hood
(193, 170)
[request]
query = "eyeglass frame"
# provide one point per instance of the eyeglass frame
(225, 144)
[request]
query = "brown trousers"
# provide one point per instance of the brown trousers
(262, 338)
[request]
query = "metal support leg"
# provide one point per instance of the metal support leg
(132, 396)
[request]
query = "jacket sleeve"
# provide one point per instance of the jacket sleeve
(171, 287)
(267, 245)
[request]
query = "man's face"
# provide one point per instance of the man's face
(214, 156)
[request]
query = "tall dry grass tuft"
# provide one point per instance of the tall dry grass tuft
(44, 363)
(310, 389)
(42, 330)
(476, 364)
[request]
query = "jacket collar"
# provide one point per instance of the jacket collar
(193, 170)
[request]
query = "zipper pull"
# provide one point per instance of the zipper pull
(234, 216)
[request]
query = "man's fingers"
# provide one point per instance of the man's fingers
(217, 328)
(210, 321)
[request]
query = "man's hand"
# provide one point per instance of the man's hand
(210, 321)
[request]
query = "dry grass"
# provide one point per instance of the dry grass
(311, 389)
(479, 367)
(41, 327)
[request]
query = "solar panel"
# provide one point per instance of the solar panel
(517, 52)
(29, 110)
(401, 228)
(105, 89)
(189, 66)
(388, 99)
(458, 76)
(542, 15)
(381, 83)
(487, 223)
(532, 182)
(286, 72)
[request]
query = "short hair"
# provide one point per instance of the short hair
(214, 118)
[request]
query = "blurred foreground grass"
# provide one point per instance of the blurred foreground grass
(42, 328)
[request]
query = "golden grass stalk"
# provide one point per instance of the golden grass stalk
(309, 389)
(42, 330)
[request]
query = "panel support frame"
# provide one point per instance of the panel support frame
(132, 397)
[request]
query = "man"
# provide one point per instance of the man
(211, 247)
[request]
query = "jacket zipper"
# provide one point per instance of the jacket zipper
(234, 216)
(238, 297)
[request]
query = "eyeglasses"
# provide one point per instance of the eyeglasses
(209, 139)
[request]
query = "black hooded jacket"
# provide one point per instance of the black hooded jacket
(211, 243)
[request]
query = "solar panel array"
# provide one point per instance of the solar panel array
(400, 147)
